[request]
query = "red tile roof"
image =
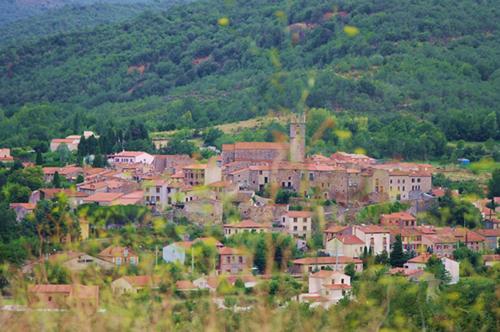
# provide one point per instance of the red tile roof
(373, 229)
(229, 251)
(491, 258)
(350, 239)
(489, 232)
(325, 274)
(398, 216)
(141, 281)
(299, 214)
(103, 197)
(50, 288)
(336, 229)
(27, 206)
(185, 285)
(420, 259)
(196, 166)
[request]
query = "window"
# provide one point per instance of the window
(311, 176)
(50, 298)
(342, 280)
(294, 219)
(240, 259)
(294, 228)
(305, 228)
(228, 259)
(157, 189)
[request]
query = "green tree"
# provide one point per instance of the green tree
(39, 158)
(56, 181)
(80, 178)
(494, 184)
(435, 266)
(397, 257)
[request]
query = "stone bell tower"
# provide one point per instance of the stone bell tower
(298, 137)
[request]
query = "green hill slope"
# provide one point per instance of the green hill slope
(434, 60)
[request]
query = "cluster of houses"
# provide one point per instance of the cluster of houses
(241, 173)
(179, 186)
(71, 141)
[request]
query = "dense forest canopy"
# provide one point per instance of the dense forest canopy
(76, 16)
(428, 67)
(14, 10)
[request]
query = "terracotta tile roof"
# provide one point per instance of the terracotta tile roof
(196, 166)
(50, 288)
(398, 216)
(229, 251)
(220, 184)
(27, 206)
(439, 238)
(325, 274)
(319, 158)
(373, 229)
(491, 258)
(184, 244)
(336, 229)
(141, 281)
(420, 259)
(489, 232)
(350, 239)
(185, 285)
(438, 192)
(103, 197)
(299, 214)
(326, 260)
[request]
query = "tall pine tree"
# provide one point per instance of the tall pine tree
(398, 258)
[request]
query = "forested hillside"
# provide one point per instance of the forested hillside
(13, 10)
(421, 72)
(76, 17)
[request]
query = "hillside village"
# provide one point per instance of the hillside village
(255, 188)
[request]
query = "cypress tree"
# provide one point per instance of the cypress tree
(398, 257)
(56, 181)
(39, 158)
